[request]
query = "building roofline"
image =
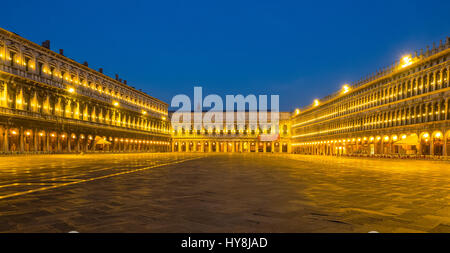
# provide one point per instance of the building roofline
(65, 58)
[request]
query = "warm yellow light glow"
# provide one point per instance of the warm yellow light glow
(404, 136)
(437, 135)
(115, 103)
(144, 112)
(71, 90)
(426, 135)
(345, 88)
(316, 102)
(14, 132)
(163, 118)
(406, 61)
(297, 111)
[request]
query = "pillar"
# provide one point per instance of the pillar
(431, 145)
(6, 140)
(78, 144)
(21, 144)
(47, 141)
(58, 142)
(68, 140)
(35, 140)
(444, 148)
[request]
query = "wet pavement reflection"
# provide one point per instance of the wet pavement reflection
(188, 192)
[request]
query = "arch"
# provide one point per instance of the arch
(424, 139)
(437, 143)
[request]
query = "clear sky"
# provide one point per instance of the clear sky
(298, 50)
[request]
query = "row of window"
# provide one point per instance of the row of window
(402, 89)
(57, 71)
(70, 108)
(414, 114)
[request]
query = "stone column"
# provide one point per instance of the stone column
(35, 140)
(431, 145)
(446, 109)
(78, 144)
(69, 146)
(6, 140)
(21, 143)
(58, 142)
(444, 147)
(47, 141)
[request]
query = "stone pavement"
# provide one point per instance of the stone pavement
(178, 192)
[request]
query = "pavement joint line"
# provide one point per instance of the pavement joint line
(94, 178)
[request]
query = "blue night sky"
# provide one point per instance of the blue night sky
(299, 50)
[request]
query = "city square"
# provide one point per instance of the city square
(234, 192)
(224, 125)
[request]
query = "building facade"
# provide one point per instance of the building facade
(402, 109)
(247, 136)
(50, 103)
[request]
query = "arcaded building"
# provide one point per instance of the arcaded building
(250, 136)
(399, 110)
(50, 103)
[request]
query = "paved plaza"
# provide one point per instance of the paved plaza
(189, 192)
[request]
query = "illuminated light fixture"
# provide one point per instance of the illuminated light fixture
(406, 61)
(316, 102)
(115, 103)
(52, 135)
(437, 135)
(386, 138)
(71, 90)
(144, 112)
(297, 111)
(14, 132)
(404, 136)
(345, 88)
(394, 138)
(28, 133)
(163, 118)
(426, 135)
